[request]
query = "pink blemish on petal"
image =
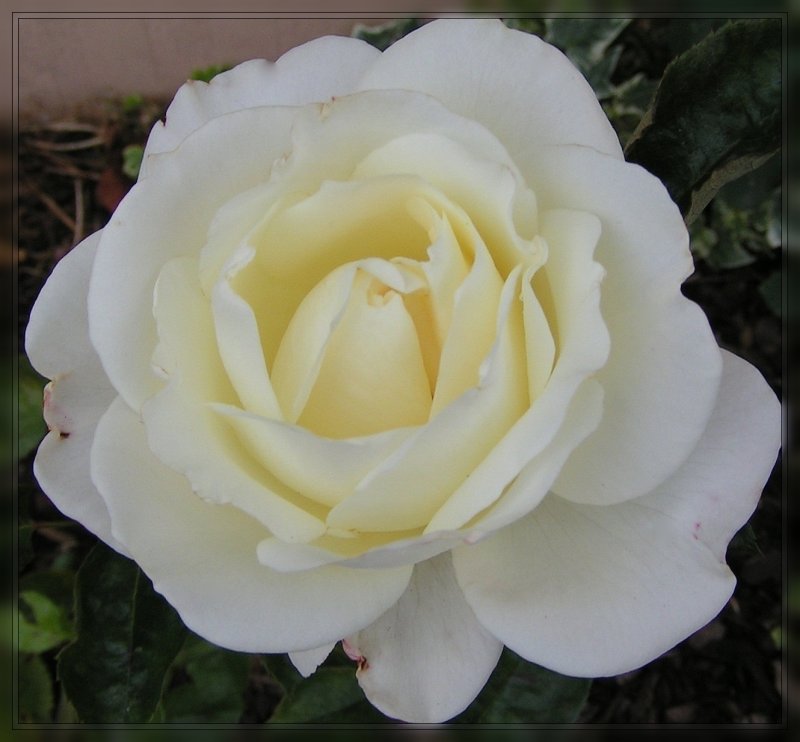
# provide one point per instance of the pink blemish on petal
(355, 655)
(472, 538)
(696, 530)
(55, 417)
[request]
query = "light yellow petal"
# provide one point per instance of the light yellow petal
(491, 192)
(583, 345)
(539, 343)
(192, 439)
(322, 469)
(406, 490)
(239, 344)
(372, 376)
(473, 326)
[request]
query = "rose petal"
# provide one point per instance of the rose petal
(540, 347)
(657, 405)
(426, 658)
(373, 551)
(473, 323)
(165, 216)
(409, 486)
(717, 489)
(599, 590)
(312, 72)
(323, 469)
(239, 343)
(479, 68)
(309, 660)
(490, 192)
(202, 557)
(189, 436)
(57, 344)
(572, 280)
(372, 376)
(534, 481)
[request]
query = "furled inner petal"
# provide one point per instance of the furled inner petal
(372, 376)
(409, 486)
(350, 363)
(302, 241)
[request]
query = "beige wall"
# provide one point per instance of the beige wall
(63, 61)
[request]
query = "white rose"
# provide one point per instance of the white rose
(391, 348)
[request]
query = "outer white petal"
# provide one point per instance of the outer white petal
(57, 335)
(735, 457)
(57, 344)
(525, 91)
(312, 72)
(308, 660)
(662, 374)
(202, 557)
(426, 658)
(599, 590)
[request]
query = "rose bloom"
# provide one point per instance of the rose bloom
(391, 349)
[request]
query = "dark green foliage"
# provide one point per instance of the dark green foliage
(208, 685)
(587, 42)
(521, 692)
(330, 696)
(716, 114)
(45, 611)
(127, 637)
(35, 701)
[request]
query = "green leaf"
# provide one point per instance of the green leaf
(285, 674)
(43, 623)
(535, 26)
(383, 36)
(127, 637)
(599, 75)
(212, 687)
(331, 695)
(132, 103)
(207, 74)
(35, 700)
(681, 33)
(584, 40)
(716, 114)
(521, 692)
(132, 160)
(31, 423)
(57, 584)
